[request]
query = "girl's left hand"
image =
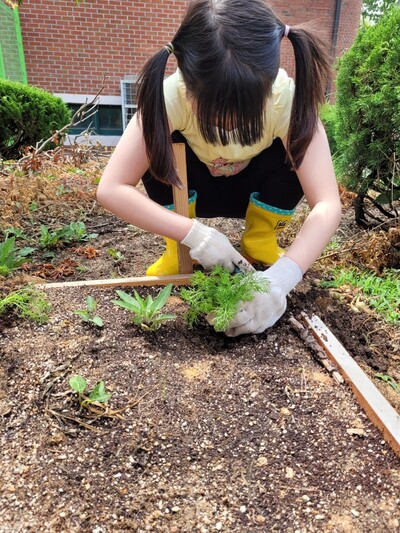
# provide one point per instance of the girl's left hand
(211, 247)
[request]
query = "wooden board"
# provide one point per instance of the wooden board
(181, 205)
(379, 410)
(178, 279)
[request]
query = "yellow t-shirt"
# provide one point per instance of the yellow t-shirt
(231, 159)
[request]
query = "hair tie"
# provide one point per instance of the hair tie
(170, 48)
(287, 30)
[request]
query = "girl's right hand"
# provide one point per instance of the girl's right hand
(210, 247)
(266, 308)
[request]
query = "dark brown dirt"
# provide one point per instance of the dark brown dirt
(213, 434)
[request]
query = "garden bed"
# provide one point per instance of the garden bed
(203, 432)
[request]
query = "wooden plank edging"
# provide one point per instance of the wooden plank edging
(378, 409)
(178, 279)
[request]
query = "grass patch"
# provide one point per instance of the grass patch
(382, 293)
(27, 302)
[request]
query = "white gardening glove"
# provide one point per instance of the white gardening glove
(267, 307)
(210, 247)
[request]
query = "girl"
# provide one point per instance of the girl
(254, 148)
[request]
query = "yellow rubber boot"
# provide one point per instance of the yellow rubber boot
(168, 263)
(263, 223)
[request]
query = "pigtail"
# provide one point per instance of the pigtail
(313, 72)
(153, 115)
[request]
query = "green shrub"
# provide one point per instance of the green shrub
(327, 114)
(27, 116)
(368, 110)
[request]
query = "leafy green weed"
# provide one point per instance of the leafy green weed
(146, 312)
(389, 380)
(97, 395)
(10, 257)
(88, 315)
(73, 232)
(116, 255)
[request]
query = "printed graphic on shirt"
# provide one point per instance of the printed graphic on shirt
(223, 167)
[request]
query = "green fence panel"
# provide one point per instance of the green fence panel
(12, 59)
(2, 71)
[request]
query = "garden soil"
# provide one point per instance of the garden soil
(202, 432)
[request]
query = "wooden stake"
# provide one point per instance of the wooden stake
(179, 279)
(181, 204)
(379, 410)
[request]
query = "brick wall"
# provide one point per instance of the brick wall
(70, 48)
(320, 15)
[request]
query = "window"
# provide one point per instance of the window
(129, 91)
(106, 121)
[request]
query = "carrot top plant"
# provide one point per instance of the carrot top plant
(219, 293)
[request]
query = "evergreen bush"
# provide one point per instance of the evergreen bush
(327, 115)
(27, 116)
(368, 112)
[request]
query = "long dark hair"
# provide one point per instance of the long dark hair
(228, 52)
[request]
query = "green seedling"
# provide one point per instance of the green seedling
(389, 380)
(74, 232)
(28, 303)
(62, 189)
(96, 396)
(332, 246)
(146, 312)
(88, 315)
(116, 255)
(219, 293)
(382, 293)
(10, 258)
(16, 232)
(48, 239)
